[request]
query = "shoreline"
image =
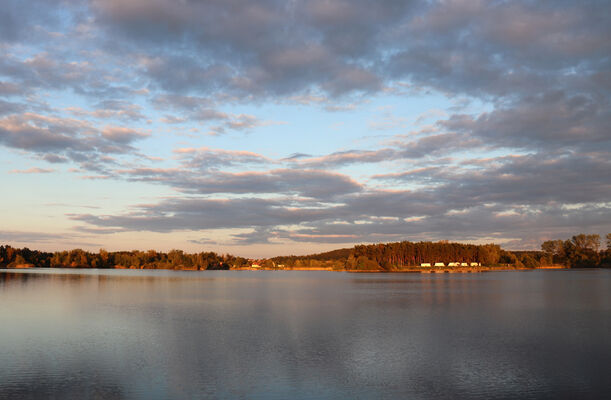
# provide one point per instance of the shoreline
(412, 270)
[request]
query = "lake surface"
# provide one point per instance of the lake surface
(125, 334)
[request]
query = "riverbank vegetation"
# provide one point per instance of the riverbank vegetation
(581, 251)
(175, 259)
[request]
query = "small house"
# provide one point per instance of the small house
(440, 265)
(425, 264)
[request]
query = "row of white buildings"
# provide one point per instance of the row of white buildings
(452, 264)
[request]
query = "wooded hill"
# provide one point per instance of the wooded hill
(579, 251)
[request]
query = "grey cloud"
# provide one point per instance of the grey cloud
(370, 220)
(349, 157)
(182, 103)
(419, 175)
(38, 133)
(503, 48)
(202, 109)
(536, 179)
(256, 236)
(56, 139)
(121, 135)
(518, 180)
(54, 158)
(527, 229)
(29, 237)
(309, 183)
(17, 18)
(551, 120)
(352, 28)
(439, 144)
(9, 89)
(200, 214)
(182, 74)
(273, 48)
(260, 48)
(428, 146)
(111, 109)
(7, 107)
(205, 158)
(296, 156)
(46, 71)
(528, 197)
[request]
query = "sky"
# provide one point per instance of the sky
(294, 127)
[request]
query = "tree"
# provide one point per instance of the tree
(554, 250)
(529, 261)
(19, 260)
(582, 250)
(489, 254)
(586, 242)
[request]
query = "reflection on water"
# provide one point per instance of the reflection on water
(277, 335)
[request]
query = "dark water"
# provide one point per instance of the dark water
(304, 335)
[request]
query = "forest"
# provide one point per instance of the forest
(175, 259)
(580, 251)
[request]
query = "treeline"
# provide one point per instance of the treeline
(175, 259)
(398, 255)
(334, 259)
(393, 256)
(581, 251)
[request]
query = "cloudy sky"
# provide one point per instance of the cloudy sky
(280, 127)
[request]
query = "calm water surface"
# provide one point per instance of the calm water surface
(304, 335)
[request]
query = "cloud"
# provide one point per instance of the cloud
(111, 109)
(9, 89)
(316, 184)
(523, 148)
(7, 107)
(122, 135)
(521, 196)
(33, 170)
(547, 121)
(56, 139)
(17, 18)
(429, 146)
(9, 236)
(502, 48)
(200, 214)
(201, 109)
(250, 57)
(205, 158)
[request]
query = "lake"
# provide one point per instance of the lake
(144, 334)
